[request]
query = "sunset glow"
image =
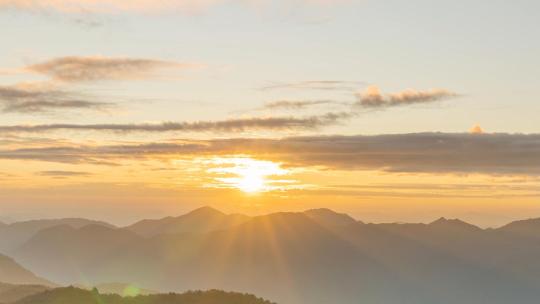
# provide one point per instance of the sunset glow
(247, 174)
(269, 152)
(116, 109)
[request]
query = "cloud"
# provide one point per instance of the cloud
(413, 153)
(230, 125)
(373, 98)
(324, 85)
(102, 6)
(24, 98)
(476, 129)
(47, 97)
(138, 6)
(85, 69)
(295, 104)
(63, 173)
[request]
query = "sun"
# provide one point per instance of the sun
(246, 174)
(251, 183)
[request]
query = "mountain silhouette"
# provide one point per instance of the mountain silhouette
(12, 272)
(329, 218)
(201, 220)
(87, 246)
(530, 228)
(454, 225)
(11, 292)
(16, 234)
(297, 257)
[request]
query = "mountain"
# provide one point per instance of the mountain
(71, 295)
(453, 225)
(12, 272)
(329, 218)
(530, 227)
(249, 257)
(11, 292)
(309, 257)
(201, 220)
(455, 238)
(85, 247)
(284, 247)
(16, 234)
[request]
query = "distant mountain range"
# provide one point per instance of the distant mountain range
(16, 234)
(316, 256)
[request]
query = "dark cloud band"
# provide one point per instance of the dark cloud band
(272, 123)
(63, 173)
(417, 152)
(32, 100)
(84, 69)
(373, 98)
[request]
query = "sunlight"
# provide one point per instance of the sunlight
(248, 175)
(251, 183)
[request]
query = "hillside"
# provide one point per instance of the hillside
(85, 247)
(11, 292)
(527, 228)
(14, 235)
(12, 272)
(123, 289)
(74, 295)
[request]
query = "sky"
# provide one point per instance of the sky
(386, 110)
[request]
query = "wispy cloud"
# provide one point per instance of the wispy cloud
(373, 98)
(143, 6)
(230, 125)
(414, 153)
(31, 99)
(85, 69)
(56, 94)
(63, 173)
(295, 104)
(100, 6)
(324, 85)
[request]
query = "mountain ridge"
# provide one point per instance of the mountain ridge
(15, 234)
(321, 258)
(211, 210)
(528, 227)
(200, 220)
(12, 272)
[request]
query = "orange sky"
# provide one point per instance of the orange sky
(126, 111)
